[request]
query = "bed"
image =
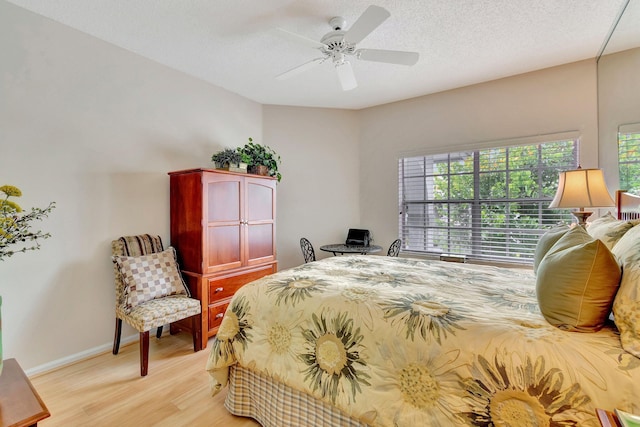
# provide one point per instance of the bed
(381, 341)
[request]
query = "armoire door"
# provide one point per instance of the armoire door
(259, 221)
(223, 218)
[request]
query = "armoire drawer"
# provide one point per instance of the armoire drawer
(216, 313)
(225, 286)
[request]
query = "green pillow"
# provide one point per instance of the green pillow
(547, 240)
(576, 282)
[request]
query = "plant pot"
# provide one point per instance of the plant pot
(222, 166)
(260, 170)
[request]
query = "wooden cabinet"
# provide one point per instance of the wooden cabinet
(223, 228)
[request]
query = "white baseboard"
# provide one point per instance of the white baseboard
(95, 351)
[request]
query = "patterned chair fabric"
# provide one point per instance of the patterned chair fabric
(151, 314)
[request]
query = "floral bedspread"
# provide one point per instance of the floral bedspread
(406, 342)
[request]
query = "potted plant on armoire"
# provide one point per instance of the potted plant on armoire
(263, 160)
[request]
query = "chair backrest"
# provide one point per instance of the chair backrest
(394, 249)
(307, 250)
(142, 244)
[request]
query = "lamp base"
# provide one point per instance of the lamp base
(581, 216)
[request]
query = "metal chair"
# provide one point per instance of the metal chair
(307, 250)
(153, 313)
(394, 249)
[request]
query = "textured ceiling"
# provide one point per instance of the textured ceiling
(234, 43)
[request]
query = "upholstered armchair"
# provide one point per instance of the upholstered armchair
(150, 291)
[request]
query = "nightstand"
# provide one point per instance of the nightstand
(20, 404)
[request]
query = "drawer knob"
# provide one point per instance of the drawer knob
(220, 289)
(219, 315)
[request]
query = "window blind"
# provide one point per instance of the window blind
(629, 157)
(488, 204)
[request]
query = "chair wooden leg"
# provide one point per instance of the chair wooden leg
(116, 338)
(144, 353)
(195, 331)
(159, 332)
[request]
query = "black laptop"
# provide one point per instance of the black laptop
(358, 237)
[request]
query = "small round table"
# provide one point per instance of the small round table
(341, 248)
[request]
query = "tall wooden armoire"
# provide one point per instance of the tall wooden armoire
(224, 230)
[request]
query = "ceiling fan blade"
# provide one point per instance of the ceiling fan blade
(366, 23)
(345, 75)
(301, 39)
(389, 56)
(300, 68)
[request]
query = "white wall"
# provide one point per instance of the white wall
(549, 101)
(619, 104)
(319, 193)
(96, 129)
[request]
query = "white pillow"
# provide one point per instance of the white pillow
(609, 229)
(626, 306)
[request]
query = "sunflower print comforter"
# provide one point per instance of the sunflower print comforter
(406, 342)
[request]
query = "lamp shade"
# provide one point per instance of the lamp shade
(582, 188)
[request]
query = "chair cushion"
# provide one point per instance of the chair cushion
(158, 312)
(577, 281)
(141, 244)
(151, 276)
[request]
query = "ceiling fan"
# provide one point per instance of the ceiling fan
(339, 44)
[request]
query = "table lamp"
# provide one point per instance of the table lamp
(581, 188)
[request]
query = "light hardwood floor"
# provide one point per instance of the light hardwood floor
(108, 390)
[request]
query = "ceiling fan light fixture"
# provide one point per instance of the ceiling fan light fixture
(345, 75)
(339, 43)
(337, 23)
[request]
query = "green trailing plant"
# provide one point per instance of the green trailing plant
(262, 155)
(15, 224)
(228, 156)
(244, 157)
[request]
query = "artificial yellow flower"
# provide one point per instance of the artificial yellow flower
(9, 206)
(11, 191)
(15, 225)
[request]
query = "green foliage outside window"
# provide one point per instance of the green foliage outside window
(629, 161)
(490, 203)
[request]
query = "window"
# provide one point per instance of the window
(629, 157)
(489, 204)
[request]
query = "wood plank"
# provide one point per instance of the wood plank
(108, 390)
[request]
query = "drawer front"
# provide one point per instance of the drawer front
(216, 313)
(224, 287)
(220, 289)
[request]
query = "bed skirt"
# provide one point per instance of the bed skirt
(274, 404)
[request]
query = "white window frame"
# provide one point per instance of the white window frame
(473, 233)
(631, 132)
